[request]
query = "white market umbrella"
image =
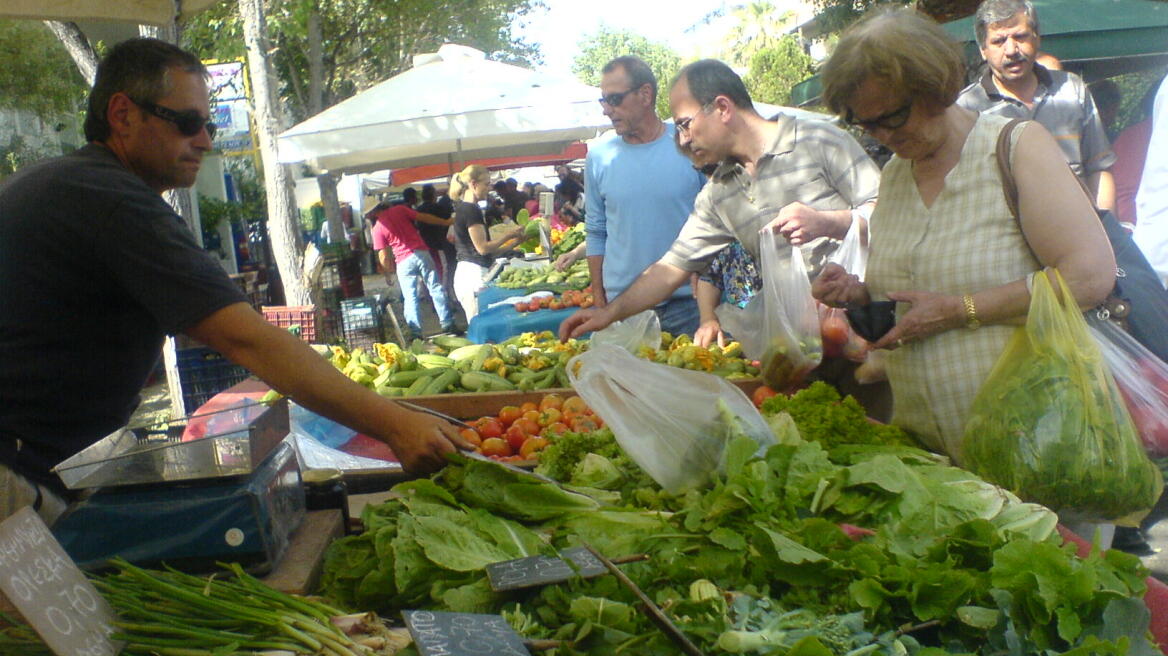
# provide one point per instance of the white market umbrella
(452, 106)
(149, 12)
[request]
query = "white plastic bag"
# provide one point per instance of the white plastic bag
(668, 420)
(780, 325)
(1142, 379)
(839, 340)
(641, 329)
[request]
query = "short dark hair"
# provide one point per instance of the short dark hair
(139, 68)
(409, 194)
(997, 11)
(499, 186)
(709, 78)
(636, 70)
(428, 192)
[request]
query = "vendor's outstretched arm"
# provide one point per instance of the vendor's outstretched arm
(292, 368)
(653, 286)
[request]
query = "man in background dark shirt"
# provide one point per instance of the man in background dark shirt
(441, 248)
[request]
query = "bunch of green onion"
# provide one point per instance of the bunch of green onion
(170, 613)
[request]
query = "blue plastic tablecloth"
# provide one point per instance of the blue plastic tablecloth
(499, 323)
(494, 294)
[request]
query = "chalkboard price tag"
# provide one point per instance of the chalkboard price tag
(438, 633)
(45, 585)
(542, 570)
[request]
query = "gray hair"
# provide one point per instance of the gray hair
(996, 11)
(636, 70)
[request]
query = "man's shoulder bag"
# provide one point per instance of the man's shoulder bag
(1139, 302)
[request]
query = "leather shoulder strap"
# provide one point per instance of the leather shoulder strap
(1009, 187)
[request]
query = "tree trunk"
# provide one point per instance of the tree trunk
(78, 46)
(332, 207)
(315, 61)
(283, 219)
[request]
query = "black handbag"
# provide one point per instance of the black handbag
(1139, 302)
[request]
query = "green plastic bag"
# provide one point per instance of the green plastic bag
(1049, 424)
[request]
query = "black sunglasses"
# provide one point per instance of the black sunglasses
(891, 121)
(615, 99)
(189, 122)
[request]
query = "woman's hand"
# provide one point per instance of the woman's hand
(928, 314)
(708, 332)
(835, 287)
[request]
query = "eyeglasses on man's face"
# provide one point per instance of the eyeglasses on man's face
(684, 123)
(615, 99)
(189, 122)
(890, 121)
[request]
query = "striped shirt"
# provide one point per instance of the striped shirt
(811, 162)
(1062, 104)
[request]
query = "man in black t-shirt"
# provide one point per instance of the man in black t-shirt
(95, 269)
(441, 248)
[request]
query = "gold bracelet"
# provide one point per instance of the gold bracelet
(971, 321)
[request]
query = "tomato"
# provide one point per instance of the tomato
(509, 413)
(533, 445)
(545, 301)
(551, 401)
(471, 436)
(521, 307)
(573, 404)
(584, 424)
(528, 407)
(556, 304)
(761, 393)
(528, 426)
(834, 330)
(549, 416)
(552, 430)
(587, 302)
(533, 306)
(495, 446)
(533, 415)
(489, 427)
(515, 436)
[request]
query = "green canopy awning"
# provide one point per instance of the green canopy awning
(1096, 38)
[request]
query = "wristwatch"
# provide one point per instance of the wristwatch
(971, 321)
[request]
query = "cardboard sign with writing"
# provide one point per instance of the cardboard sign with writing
(438, 633)
(542, 570)
(46, 587)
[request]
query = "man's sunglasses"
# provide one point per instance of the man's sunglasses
(189, 122)
(891, 121)
(615, 99)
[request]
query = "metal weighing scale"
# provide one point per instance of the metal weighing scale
(221, 486)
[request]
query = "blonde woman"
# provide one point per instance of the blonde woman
(472, 244)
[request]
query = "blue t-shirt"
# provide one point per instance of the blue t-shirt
(637, 198)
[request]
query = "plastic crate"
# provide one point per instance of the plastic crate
(343, 274)
(293, 316)
(203, 373)
(363, 322)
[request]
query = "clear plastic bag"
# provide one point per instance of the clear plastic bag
(1142, 379)
(1049, 424)
(839, 339)
(780, 325)
(672, 422)
(641, 329)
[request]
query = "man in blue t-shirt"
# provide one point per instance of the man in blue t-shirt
(95, 269)
(639, 190)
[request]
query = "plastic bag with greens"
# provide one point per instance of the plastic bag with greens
(1049, 424)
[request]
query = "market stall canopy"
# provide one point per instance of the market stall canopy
(149, 12)
(406, 176)
(453, 106)
(1094, 38)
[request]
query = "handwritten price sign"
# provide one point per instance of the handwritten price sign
(54, 596)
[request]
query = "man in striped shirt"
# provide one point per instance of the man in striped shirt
(800, 178)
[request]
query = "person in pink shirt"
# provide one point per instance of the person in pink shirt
(1131, 149)
(394, 231)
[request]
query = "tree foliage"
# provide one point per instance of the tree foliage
(362, 41)
(773, 71)
(759, 26)
(607, 44)
(37, 75)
